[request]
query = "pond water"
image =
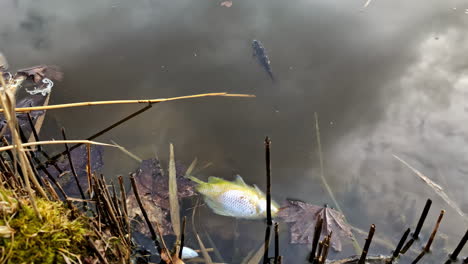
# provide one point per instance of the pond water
(388, 79)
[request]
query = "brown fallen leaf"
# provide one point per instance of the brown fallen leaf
(154, 192)
(226, 3)
(38, 73)
(304, 216)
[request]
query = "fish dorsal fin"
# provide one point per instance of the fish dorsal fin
(260, 193)
(213, 179)
(240, 181)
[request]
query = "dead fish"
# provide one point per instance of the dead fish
(259, 52)
(235, 199)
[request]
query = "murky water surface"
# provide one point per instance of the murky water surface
(388, 79)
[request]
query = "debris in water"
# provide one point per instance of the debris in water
(436, 187)
(226, 3)
(45, 90)
(304, 216)
(235, 199)
(367, 3)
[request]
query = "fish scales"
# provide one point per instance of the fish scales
(235, 199)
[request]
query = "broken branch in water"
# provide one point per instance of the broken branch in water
(145, 215)
(458, 249)
(431, 238)
(317, 233)
(396, 252)
(142, 101)
(415, 235)
(365, 250)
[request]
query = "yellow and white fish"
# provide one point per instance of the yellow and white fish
(235, 199)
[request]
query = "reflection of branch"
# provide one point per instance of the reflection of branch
(143, 101)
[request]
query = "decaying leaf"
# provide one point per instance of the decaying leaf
(303, 217)
(38, 73)
(226, 3)
(154, 191)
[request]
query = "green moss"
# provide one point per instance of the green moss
(41, 241)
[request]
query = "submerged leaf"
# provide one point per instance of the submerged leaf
(154, 192)
(38, 73)
(304, 216)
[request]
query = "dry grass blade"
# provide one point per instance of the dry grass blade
(7, 100)
(143, 101)
(356, 246)
(257, 257)
(191, 167)
(203, 250)
(434, 186)
(173, 198)
(130, 154)
(52, 142)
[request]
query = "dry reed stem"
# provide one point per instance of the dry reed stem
(130, 154)
(112, 102)
(7, 100)
(52, 142)
(203, 250)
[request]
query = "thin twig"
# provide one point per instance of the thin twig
(415, 235)
(182, 236)
(145, 215)
(72, 168)
(315, 241)
(431, 239)
(98, 253)
(277, 250)
(268, 179)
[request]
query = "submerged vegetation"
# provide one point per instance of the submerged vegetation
(59, 209)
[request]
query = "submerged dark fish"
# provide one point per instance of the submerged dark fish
(260, 53)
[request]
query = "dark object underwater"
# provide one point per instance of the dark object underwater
(260, 53)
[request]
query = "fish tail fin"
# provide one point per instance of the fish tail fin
(195, 179)
(273, 79)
